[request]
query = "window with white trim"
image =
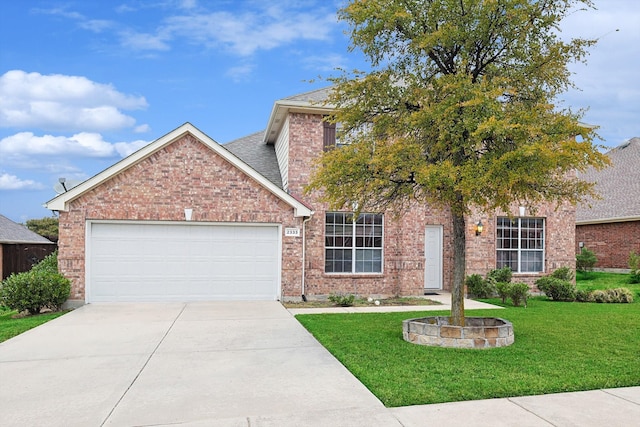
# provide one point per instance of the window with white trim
(520, 244)
(353, 244)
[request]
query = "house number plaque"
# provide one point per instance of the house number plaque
(292, 232)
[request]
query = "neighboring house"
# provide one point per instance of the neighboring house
(185, 218)
(20, 248)
(610, 226)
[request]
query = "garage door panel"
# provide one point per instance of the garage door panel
(182, 262)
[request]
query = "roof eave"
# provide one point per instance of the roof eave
(608, 220)
(280, 110)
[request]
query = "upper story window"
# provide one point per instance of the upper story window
(520, 244)
(329, 136)
(353, 244)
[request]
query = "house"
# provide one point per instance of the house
(186, 218)
(610, 226)
(20, 248)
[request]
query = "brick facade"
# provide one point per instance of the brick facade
(611, 242)
(188, 174)
(185, 174)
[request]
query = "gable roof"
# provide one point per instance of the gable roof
(618, 185)
(61, 202)
(252, 150)
(12, 232)
(312, 101)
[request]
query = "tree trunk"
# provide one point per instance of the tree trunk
(459, 264)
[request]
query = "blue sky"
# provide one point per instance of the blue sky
(85, 83)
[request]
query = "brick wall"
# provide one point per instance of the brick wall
(612, 242)
(404, 234)
(185, 174)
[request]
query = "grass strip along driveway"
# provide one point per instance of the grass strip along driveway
(10, 326)
(558, 347)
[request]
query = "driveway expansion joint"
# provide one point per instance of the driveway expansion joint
(184, 306)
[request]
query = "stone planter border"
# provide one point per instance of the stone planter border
(478, 332)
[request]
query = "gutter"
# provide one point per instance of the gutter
(304, 246)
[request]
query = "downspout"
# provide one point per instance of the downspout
(304, 246)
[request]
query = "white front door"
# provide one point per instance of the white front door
(433, 258)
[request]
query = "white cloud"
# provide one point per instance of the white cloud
(126, 148)
(245, 33)
(12, 182)
(83, 144)
(142, 128)
(61, 102)
(241, 72)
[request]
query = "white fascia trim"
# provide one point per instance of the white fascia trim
(608, 220)
(61, 202)
(282, 107)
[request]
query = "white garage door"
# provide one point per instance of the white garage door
(182, 262)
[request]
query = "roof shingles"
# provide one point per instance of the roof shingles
(618, 185)
(11, 232)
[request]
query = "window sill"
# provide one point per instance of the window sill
(357, 275)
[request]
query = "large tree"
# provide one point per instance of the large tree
(457, 111)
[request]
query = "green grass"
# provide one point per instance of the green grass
(599, 280)
(558, 347)
(10, 327)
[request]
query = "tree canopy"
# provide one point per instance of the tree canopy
(458, 110)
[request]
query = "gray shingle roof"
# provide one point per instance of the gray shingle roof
(618, 185)
(11, 232)
(252, 150)
(311, 96)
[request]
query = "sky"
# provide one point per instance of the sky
(85, 83)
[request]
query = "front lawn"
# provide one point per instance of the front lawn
(558, 347)
(590, 281)
(10, 327)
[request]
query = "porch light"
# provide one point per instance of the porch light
(479, 228)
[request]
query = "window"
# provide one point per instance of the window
(520, 244)
(329, 138)
(353, 245)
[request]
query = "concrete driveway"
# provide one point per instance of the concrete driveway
(196, 364)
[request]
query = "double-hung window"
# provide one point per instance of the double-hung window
(520, 244)
(353, 244)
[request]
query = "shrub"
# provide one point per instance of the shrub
(634, 266)
(584, 296)
(585, 260)
(504, 290)
(479, 287)
(34, 290)
(619, 295)
(500, 274)
(563, 273)
(518, 292)
(557, 289)
(49, 263)
(342, 300)
(600, 296)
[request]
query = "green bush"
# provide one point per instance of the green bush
(584, 296)
(518, 292)
(504, 290)
(49, 263)
(479, 287)
(500, 275)
(634, 266)
(342, 300)
(585, 260)
(600, 296)
(34, 290)
(563, 273)
(619, 295)
(557, 289)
